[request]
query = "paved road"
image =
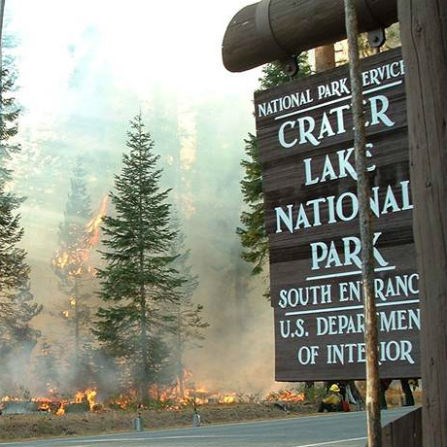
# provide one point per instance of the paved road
(327, 430)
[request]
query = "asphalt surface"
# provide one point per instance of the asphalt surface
(323, 430)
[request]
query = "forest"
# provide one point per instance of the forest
(69, 325)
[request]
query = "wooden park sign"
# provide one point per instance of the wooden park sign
(305, 137)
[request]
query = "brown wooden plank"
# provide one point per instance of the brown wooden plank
(405, 431)
(322, 171)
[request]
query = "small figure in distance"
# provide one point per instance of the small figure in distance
(333, 401)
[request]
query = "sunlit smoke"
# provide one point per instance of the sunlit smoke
(81, 104)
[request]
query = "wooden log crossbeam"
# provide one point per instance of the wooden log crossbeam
(276, 29)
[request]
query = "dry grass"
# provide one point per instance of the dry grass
(38, 425)
(48, 425)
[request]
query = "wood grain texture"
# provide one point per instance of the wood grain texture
(331, 283)
(424, 37)
(296, 26)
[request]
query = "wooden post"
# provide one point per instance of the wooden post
(324, 58)
(424, 35)
(374, 429)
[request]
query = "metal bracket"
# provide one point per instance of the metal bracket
(270, 42)
(376, 38)
(290, 66)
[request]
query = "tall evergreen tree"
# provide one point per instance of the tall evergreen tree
(138, 280)
(188, 324)
(13, 268)
(252, 231)
(70, 257)
(71, 265)
(17, 306)
(252, 234)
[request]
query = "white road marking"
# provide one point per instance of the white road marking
(318, 444)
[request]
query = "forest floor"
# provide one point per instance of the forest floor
(26, 426)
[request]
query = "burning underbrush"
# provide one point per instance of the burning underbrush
(83, 414)
(160, 399)
(82, 401)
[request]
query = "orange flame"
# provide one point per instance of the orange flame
(94, 226)
(286, 395)
(88, 395)
(73, 261)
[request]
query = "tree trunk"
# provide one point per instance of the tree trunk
(424, 36)
(374, 430)
(2, 11)
(324, 58)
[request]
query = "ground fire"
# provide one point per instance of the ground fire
(81, 401)
(167, 398)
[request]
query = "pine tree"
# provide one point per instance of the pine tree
(17, 306)
(13, 269)
(252, 231)
(253, 235)
(70, 260)
(188, 324)
(138, 281)
(71, 265)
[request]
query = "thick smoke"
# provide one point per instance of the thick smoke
(198, 116)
